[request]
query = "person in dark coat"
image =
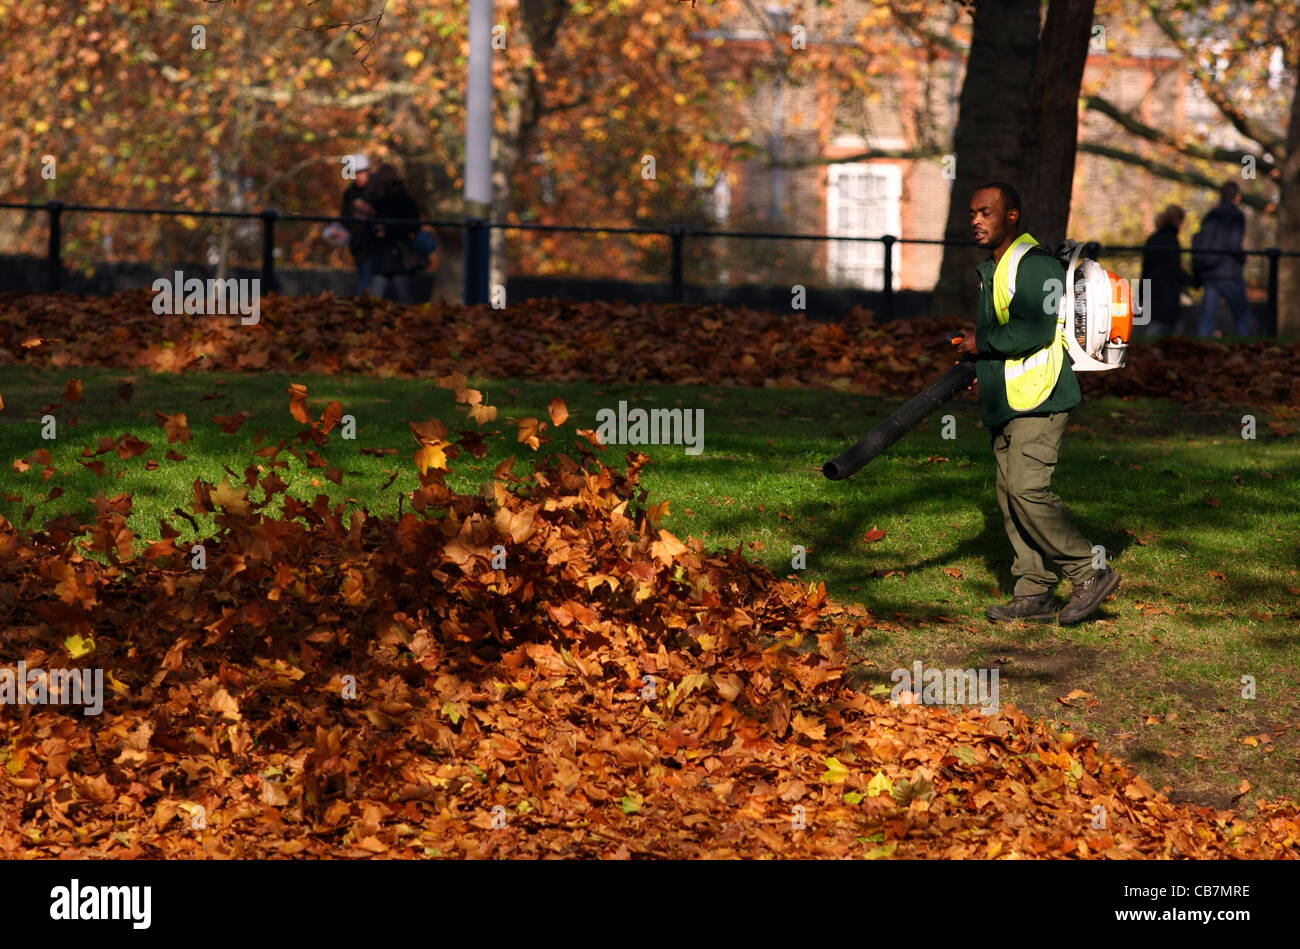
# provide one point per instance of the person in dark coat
(392, 249)
(1225, 228)
(359, 239)
(1162, 266)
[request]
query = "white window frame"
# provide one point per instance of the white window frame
(862, 263)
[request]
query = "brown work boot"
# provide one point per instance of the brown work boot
(1038, 607)
(1087, 596)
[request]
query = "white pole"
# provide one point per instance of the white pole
(478, 106)
(478, 150)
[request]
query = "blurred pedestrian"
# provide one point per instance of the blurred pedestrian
(395, 257)
(1223, 230)
(1162, 266)
(354, 206)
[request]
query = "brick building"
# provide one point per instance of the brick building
(914, 109)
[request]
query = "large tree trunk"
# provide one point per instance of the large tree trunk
(1288, 226)
(507, 158)
(538, 27)
(1051, 135)
(990, 124)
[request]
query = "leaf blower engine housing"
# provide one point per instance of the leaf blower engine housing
(1099, 323)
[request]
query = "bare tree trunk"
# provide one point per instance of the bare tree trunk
(990, 125)
(536, 28)
(1288, 226)
(449, 284)
(1051, 134)
(540, 22)
(505, 159)
(227, 192)
(230, 161)
(223, 249)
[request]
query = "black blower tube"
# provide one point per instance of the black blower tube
(895, 426)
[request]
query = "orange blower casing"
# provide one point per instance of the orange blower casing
(1121, 309)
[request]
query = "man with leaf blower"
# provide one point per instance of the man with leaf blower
(1027, 388)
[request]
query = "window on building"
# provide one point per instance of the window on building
(863, 200)
(722, 198)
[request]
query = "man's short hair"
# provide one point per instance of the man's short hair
(1010, 196)
(1228, 191)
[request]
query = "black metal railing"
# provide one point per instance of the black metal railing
(477, 244)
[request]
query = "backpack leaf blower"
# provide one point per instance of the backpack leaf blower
(1096, 308)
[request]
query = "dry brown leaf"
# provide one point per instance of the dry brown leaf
(559, 411)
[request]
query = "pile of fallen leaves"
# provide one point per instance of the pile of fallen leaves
(534, 669)
(602, 342)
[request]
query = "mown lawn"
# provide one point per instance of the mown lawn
(1204, 525)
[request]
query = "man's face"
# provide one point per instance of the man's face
(989, 222)
(363, 178)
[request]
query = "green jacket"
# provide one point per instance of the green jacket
(1031, 327)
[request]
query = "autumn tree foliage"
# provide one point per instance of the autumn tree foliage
(1243, 59)
(236, 106)
(1018, 122)
(239, 106)
(182, 105)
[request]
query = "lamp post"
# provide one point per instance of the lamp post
(478, 152)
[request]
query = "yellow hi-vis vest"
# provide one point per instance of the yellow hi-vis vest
(1029, 379)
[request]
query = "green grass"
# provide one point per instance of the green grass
(1207, 595)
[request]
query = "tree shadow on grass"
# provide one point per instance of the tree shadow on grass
(837, 519)
(842, 528)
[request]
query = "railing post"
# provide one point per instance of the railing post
(484, 262)
(888, 307)
(478, 256)
(268, 249)
(471, 279)
(678, 237)
(54, 257)
(1274, 253)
